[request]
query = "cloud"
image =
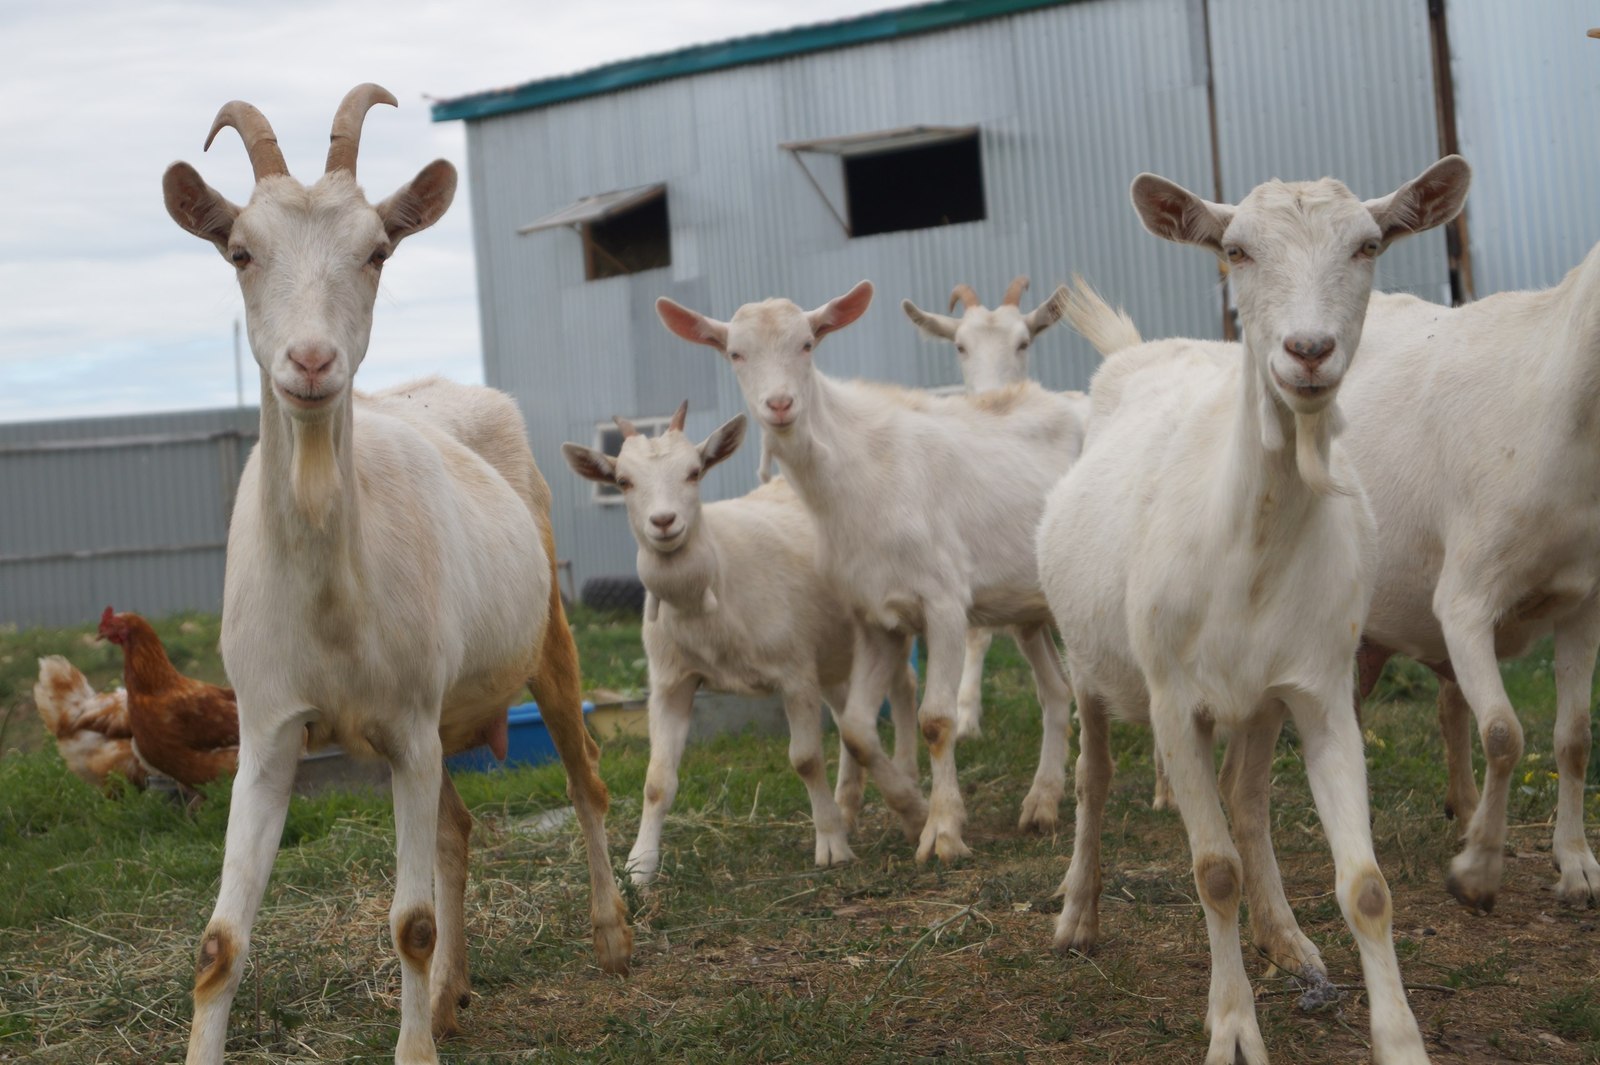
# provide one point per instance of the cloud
(106, 306)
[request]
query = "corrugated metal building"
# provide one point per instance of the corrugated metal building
(742, 162)
(1049, 107)
(129, 512)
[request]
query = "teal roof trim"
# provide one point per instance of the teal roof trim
(702, 58)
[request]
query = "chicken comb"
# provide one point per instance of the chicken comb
(105, 619)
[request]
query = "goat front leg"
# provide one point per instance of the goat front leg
(803, 707)
(1336, 771)
(449, 987)
(1474, 876)
(1078, 927)
(268, 758)
(1247, 785)
(670, 711)
(969, 704)
(1186, 749)
(878, 655)
(945, 628)
(1042, 805)
(558, 689)
(1577, 641)
(903, 709)
(417, 774)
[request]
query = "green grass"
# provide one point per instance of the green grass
(743, 950)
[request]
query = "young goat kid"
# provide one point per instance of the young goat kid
(1208, 562)
(925, 509)
(712, 577)
(993, 347)
(390, 579)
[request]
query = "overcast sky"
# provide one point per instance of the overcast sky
(106, 306)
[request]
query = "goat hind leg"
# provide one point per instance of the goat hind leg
(267, 764)
(969, 703)
(1041, 807)
(1455, 729)
(1078, 927)
(1247, 783)
(945, 627)
(557, 687)
(1577, 639)
(449, 987)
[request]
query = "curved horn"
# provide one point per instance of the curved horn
(625, 425)
(259, 141)
(345, 140)
(1019, 285)
(967, 297)
(679, 416)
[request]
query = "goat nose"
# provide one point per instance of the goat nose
(312, 358)
(780, 404)
(663, 520)
(1308, 347)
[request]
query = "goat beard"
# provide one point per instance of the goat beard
(315, 475)
(1313, 441)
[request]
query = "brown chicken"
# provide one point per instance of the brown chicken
(91, 728)
(184, 728)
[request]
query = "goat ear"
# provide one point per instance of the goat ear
(421, 203)
(723, 441)
(692, 326)
(1173, 213)
(196, 206)
(1047, 313)
(1431, 198)
(590, 464)
(841, 310)
(934, 325)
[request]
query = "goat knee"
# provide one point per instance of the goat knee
(1218, 878)
(414, 935)
(1367, 903)
(1502, 740)
(215, 963)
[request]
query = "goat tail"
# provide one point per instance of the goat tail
(1108, 328)
(1313, 439)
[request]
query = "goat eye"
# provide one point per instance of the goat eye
(735, 356)
(1022, 346)
(806, 346)
(240, 258)
(694, 475)
(1369, 249)
(1235, 254)
(378, 258)
(961, 349)
(623, 484)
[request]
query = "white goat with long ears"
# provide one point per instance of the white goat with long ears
(1208, 562)
(390, 580)
(993, 348)
(735, 604)
(925, 509)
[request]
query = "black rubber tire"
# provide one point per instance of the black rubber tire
(615, 593)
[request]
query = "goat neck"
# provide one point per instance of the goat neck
(686, 579)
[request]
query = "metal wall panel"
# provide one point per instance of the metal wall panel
(1527, 89)
(1307, 89)
(1072, 102)
(126, 511)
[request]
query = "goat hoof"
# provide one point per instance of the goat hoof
(1477, 901)
(1580, 884)
(613, 947)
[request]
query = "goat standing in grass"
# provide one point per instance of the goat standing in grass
(390, 576)
(1208, 561)
(993, 348)
(925, 509)
(734, 603)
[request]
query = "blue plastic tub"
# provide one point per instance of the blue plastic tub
(529, 743)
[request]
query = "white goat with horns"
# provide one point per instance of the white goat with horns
(925, 509)
(714, 576)
(390, 577)
(993, 347)
(1208, 561)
